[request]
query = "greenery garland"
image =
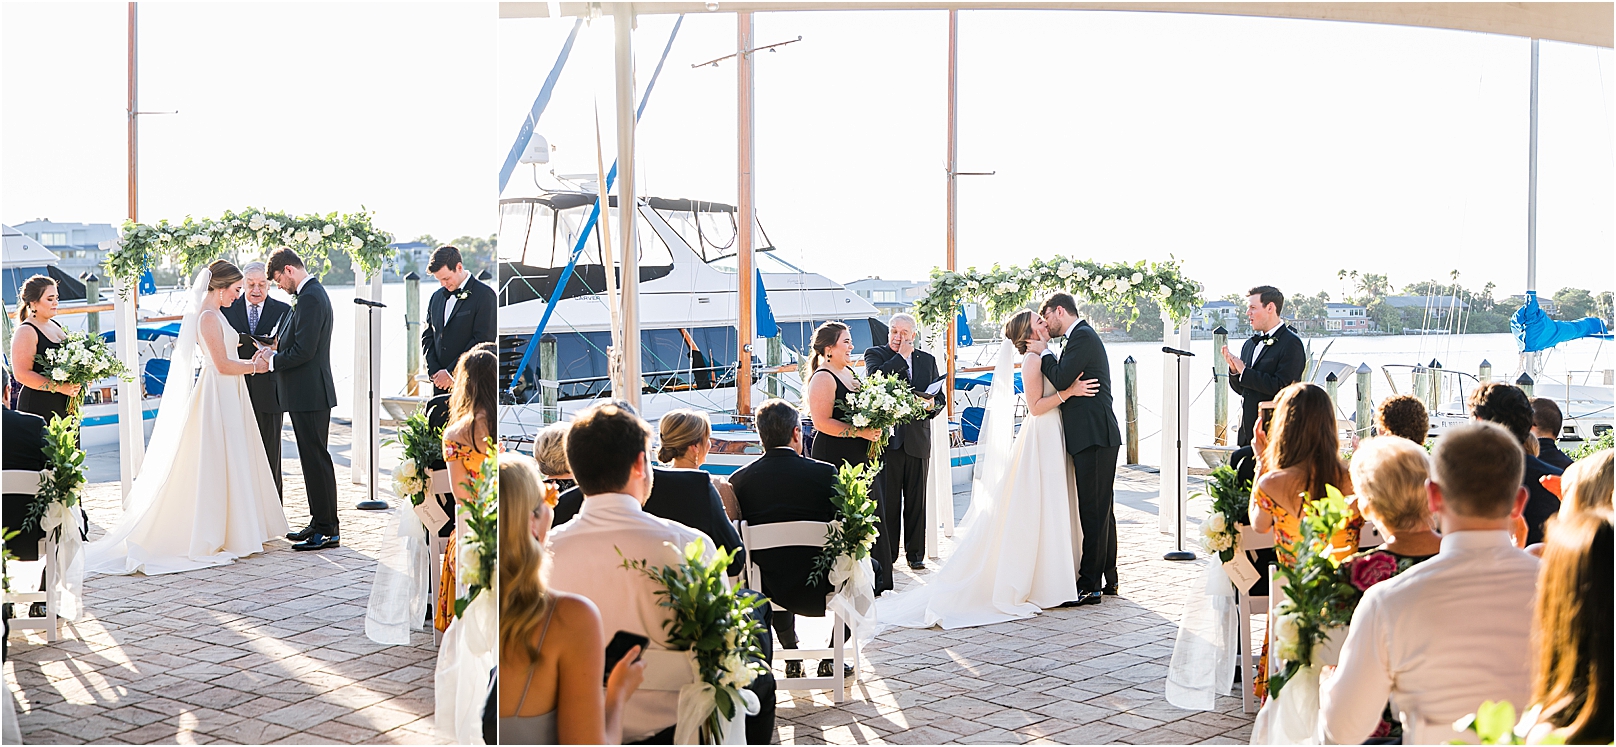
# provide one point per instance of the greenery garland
(63, 476)
(853, 534)
(195, 243)
(1118, 286)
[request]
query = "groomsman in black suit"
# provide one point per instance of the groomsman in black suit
(1092, 438)
(302, 362)
(782, 485)
(255, 313)
(460, 315)
(903, 464)
(1274, 358)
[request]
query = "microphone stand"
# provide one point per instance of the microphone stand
(373, 503)
(1178, 455)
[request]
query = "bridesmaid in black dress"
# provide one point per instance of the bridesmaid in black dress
(37, 335)
(836, 441)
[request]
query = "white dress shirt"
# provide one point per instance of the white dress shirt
(586, 562)
(1258, 350)
(1439, 639)
(449, 304)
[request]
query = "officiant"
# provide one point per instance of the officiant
(902, 505)
(461, 314)
(256, 313)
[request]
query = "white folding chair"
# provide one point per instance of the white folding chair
(24, 574)
(1369, 536)
(1247, 608)
(801, 534)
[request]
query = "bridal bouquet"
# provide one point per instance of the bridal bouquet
(423, 445)
(851, 536)
(1220, 532)
(882, 402)
(81, 359)
(1319, 594)
(716, 624)
(479, 544)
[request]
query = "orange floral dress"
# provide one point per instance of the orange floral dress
(471, 459)
(1287, 532)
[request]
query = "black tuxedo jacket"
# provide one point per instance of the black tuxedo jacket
(1540, 503)
(1280, 366)
(22, 447)
(914, 438)
(783, 486)
(303, 364)
(474, 321)
(688, 497)
(1087, 421)
(261, 387)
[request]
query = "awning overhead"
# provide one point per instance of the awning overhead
(1578, 23)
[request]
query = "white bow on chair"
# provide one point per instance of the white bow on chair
(69, 582)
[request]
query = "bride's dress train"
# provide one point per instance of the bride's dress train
(204, 496)
(1017, 550)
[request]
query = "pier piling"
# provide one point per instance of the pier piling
(549, 387)
(1130, 376)
(1365, 415)
(412, 332)
(1220, 387)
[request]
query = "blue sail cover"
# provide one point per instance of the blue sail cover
(1534, 330)
(763, 315)
(963, 329)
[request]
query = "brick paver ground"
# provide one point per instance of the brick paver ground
(269, 649)
(1089, 675)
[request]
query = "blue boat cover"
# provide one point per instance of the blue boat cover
(967, 383)
(1534, 330)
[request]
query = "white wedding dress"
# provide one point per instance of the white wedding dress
(1017, 550)
(205, 495)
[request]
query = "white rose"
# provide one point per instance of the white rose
(1287, 636)
(1080, 273)
(1218, 523)
(328, 229)
(59, 374)
(355, 242)
(1137, 278)
(1123, 285)
(861, 420)
(471, 556)
(1108, 284)
(274, 225)
(166, 236)
(207, 240)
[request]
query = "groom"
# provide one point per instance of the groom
(302, 363)
(1092, 438)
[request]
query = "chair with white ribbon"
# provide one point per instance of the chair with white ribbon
(24, 574)
(803, 534)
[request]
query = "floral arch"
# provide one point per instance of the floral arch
(1118, 286)
(194, 243)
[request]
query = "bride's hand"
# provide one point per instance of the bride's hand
(1035, 345)
(1082, 387)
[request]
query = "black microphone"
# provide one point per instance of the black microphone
(1165, 349)
(370, 303)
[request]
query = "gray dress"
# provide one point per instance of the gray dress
(540, 729)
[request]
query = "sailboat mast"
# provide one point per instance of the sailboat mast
(744, 206)
(1531, 184)
(953, 100)
(134, 149)
(627, 206)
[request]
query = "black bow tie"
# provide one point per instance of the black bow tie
(1261, 336)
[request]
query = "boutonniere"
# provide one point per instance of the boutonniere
(1268, 341)
(462, 294)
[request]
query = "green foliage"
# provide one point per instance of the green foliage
(1319, 597)
(478, 553)
(854, 533)
(1119, 286)
(1588, 448)
(1230, 499)
(5, 558)
(63, 476)
(423, 445)
(1494, 723)
(710, 619)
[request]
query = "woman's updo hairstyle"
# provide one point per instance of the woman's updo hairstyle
(33, 289)
(1018, 329)
(825, 337)
(680, 430)
(224, 274)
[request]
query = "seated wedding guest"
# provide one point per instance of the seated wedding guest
(1571, 634)
(688, 497)
(609, 447)
(551, 644)
(473, 420)
(1546, 420)
(1586, 486)
(1389, 474)
(22, 444)
(1508, 406)
(1449, 633)
(783, 486)
(686, 440)
(1294, 465)
(1403, 415)
(550, 449)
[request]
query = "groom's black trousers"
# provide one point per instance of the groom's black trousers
(269, 429)
(1096, 469)
(313, 431)
(904, 482)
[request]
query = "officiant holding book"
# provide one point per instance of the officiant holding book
(256, 315)
(908, 452)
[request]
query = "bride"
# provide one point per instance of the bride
(204, 496)
(1018, 546)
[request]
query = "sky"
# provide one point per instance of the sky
(1254, 150)
(300, 107)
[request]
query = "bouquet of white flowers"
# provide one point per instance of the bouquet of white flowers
(81, 359)
(882, 402)
(715, 623)
(1220, 532)
(422, 444)
(478, 551)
